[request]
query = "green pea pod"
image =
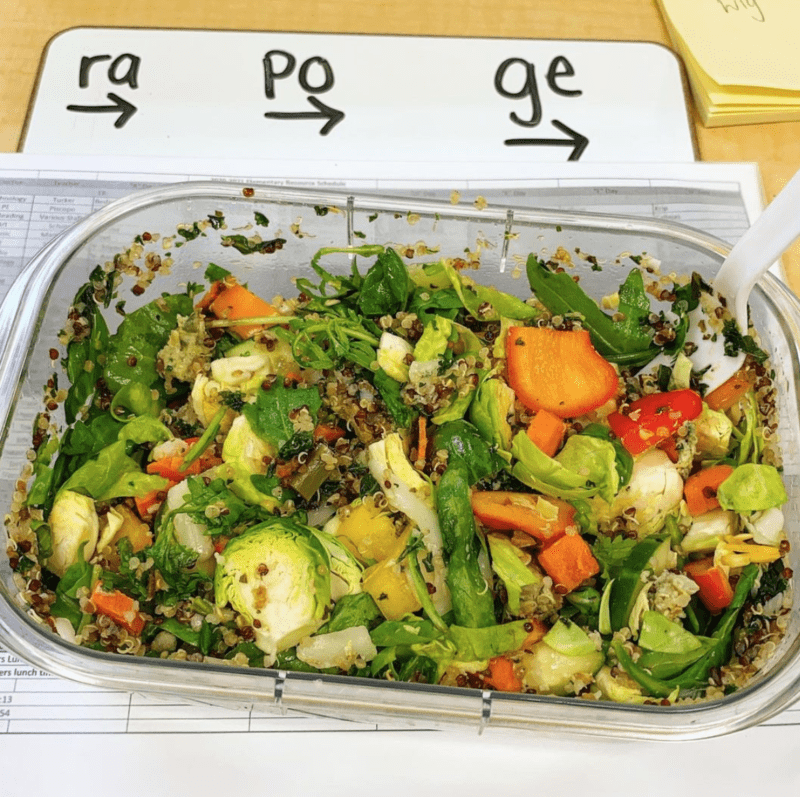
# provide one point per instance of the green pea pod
(473, 603)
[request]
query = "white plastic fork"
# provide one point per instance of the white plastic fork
(751, 257)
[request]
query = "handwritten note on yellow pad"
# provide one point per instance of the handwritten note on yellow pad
(741, 56)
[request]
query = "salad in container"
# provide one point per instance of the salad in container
(400, 467)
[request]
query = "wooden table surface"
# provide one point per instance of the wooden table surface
(26, 26)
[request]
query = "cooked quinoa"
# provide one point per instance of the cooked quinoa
(416, 478)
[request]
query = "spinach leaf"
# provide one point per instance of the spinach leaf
(611, 553)
(270, 418)
(351, 611)
(623, 342)
(203, 639)
(735, 342)
(410, 631)
(237, 514)
(214, 273)
(66, 604)
(429, 304)
(174, 561)
(81, 362)
(687, 298)
(386, 286)
(772, 583)
(133, 349)
(249, 246)
(473, 603)
(464, 443)
(113, 474)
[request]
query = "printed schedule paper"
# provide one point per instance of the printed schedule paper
(138, 744)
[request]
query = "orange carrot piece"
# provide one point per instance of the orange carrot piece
(700, 489)
(121, 608)
(422, 439)
(502, 675)
(569, 562)
(558, 370)
(729, 392)
(211, 294)
(236, 302)
(285, 470)
(546, 431)
(147, 504)
(507, 511)
(170, 467)
(330, 434)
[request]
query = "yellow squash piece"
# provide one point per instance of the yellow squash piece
(388, 583)
(367, 532)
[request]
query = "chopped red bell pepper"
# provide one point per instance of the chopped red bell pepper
(505, 511)
(715, 590)
(652, 419)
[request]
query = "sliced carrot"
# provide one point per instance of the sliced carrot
(558, 370)
(237, 302)
(422, 439)
(170, 467)
(502, 675)
(545, 519)
(285, 470)
(700, 489)
(147, 504)
(547, 431)
(121, 608)
(330, 434)
(569, 562)
(211, 294)
(729, 392)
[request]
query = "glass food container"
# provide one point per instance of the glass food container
(36, 308)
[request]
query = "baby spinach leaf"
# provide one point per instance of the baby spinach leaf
(386, 286)
(623, 342)
(464, 443)
(113, 474)
(81, 361)
(401, 413)
(270, 417)
(353, 610)
(133, 349)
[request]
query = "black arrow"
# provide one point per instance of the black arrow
(575, 140)
(123, 107)
(323, 112)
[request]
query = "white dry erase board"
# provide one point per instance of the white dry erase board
(345, 97)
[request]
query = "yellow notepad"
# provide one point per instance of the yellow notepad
(742, 57)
